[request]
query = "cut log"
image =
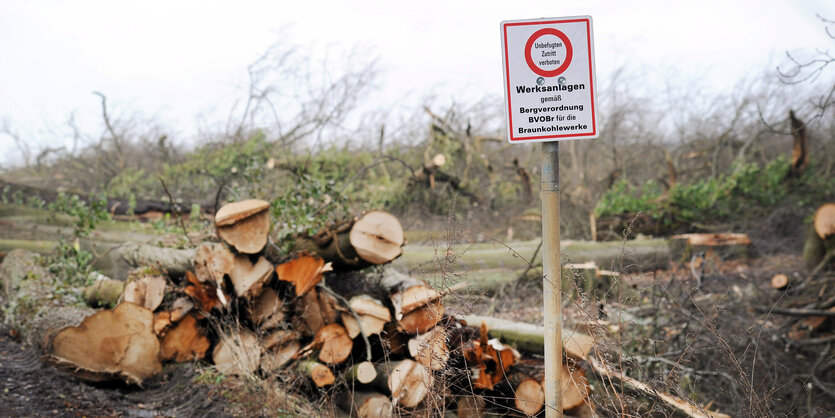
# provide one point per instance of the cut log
(187, 341)
(724, 245)
(132, 255)
(244, 225)
(147, 291)
(780, 281)
(315, 310)
(530, 397)
(574, 386)
(212, 262)
(104, 293)
(407, 381)
(361, 372)
(366, 404)
(273, 360)
(310, 312)
(820, 238)
(267, 310)
(335, 344)
(320, 374)
(422, 319)
(407, 293)
(248, 279)
(237, 353)
(430, 349)
(824, 221)
(368, 325)
(372, 313)
(304, 272)
(529, 337)
(375, 238)
(110, 344)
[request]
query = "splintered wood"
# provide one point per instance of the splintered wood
(187, 341)
(303, 272)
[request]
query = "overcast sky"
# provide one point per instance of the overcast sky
(176, 60)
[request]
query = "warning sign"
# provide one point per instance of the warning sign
(549, 79)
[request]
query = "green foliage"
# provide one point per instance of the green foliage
(623, 198)
(130, 180)
(305, 207)
(747, 189)
(71, 264)
(86, 216)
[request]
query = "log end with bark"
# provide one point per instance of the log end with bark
(110, 344)
(244, 225)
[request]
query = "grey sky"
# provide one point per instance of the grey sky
(178, 59)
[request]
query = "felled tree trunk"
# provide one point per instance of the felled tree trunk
(724, 245)
(25, 287)
(375, 238)
(171, 260)
(531, 338)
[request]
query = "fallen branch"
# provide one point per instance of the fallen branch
(675, 402)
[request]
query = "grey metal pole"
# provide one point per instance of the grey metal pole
(552, 280)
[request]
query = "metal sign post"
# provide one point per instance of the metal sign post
(550, 94)
(551, 278)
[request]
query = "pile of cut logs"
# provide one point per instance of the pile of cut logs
(379, 338)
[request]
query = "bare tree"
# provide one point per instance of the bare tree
(809, 70)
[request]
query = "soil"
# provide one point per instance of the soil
(31, 388)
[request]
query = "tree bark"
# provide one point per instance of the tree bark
(531, 338)
(375, 238)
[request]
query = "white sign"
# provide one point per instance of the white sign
(549, 79)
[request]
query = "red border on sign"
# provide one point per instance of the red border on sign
(591, 81)
(569, 52)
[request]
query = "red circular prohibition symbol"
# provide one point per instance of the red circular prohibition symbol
(568, 52)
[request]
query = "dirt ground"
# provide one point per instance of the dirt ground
(30, 388)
